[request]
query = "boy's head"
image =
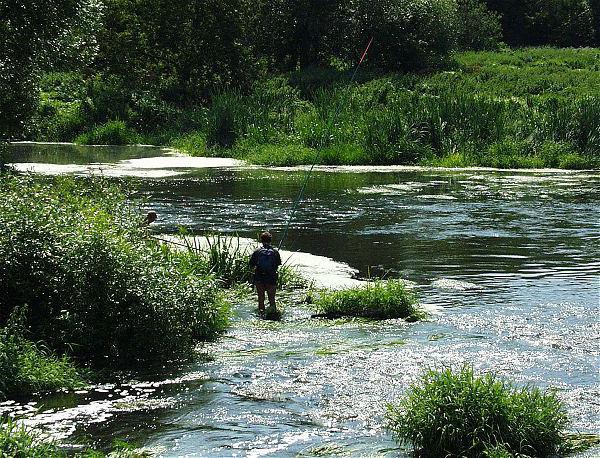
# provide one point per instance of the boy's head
(266, 237)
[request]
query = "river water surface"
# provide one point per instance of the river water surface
(509, 261)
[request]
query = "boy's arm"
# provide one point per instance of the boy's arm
(253, 262)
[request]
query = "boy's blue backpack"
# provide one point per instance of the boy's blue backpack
(266, 263)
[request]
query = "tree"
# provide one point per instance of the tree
(178, 48)
(32, 35)
(545, 22)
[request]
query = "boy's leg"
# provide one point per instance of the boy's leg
(271, 293)
(260, 290)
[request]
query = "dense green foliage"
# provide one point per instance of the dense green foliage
(145, 62)
(456, 413)
(25, 368)
(34, 36)
(379, 300)
(528, 108)
(75, 254)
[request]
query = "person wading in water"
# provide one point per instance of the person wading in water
(265, 261)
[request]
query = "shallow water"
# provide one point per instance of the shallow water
(510, 261)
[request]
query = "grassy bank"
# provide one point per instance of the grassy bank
(535, 107)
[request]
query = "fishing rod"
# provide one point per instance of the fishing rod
(330, 124)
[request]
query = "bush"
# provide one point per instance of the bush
(459, 414)
(408, 35)
(75, 253)
(478, 27)
(379, 300)
(110, 133)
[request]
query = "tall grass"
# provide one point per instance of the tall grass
(226, 259)
(27, 368)
(377, 300)
(456, 413)
(74, 252)
(19, 441)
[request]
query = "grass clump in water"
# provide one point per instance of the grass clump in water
(456, 413)
(227, 259)
(379, 300)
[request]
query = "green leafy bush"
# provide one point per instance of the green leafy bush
(456, 413)
(75, 253)
(377, 300)
(478, 27)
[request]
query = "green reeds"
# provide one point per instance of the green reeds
(226, 259)
(456, 413)
(376, 300)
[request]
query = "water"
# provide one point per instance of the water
(509, 261)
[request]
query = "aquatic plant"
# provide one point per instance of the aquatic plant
(456, 413)
(74, 252)
(18, 441)
(15, 441)
(377, 300)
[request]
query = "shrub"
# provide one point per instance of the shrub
(25, 368)
(408, 35)
(110, 133)
(377, 300)
(459, 414)
(74, 252)
(478, 27)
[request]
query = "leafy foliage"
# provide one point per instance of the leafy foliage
(378, 300)
(74, 252)
(460, 414)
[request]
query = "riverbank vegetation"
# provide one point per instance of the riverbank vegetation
(457, 413)
(76, 262)
(379, 300)
(263, 81)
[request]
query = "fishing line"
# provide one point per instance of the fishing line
(328, 127)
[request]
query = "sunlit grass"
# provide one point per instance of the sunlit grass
(376, 300)
(456, 413)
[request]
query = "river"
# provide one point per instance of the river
(509, 262)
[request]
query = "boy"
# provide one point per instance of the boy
(265, 261)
